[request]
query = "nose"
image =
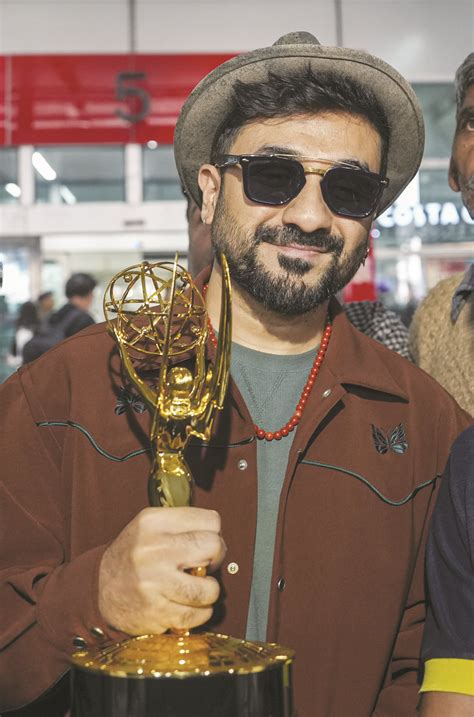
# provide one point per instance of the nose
(308, 210)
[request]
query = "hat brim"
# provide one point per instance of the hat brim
(208, 105)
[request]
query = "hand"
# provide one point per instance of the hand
(143, 586)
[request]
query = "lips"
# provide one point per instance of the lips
(312, 249)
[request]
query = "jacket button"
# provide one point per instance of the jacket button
(233, 568)
(242, 464)
(98, 633)
(79, 642)
(327, 393)
(281, 584)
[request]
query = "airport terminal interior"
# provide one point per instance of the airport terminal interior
(89, 95)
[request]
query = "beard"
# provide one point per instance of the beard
(467, 193)
(286, 293)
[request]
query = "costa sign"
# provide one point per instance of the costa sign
(420, 215)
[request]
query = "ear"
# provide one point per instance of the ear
(453, 179)
(209, 179)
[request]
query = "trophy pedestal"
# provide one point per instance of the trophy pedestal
(197, 675)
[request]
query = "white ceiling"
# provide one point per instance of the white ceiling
(423, 39)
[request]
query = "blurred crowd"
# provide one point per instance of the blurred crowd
(39, 327)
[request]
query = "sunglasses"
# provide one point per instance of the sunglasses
(276, 179)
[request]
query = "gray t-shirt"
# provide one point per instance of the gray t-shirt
(271, 386)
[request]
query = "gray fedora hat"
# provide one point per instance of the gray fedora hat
(209, 103)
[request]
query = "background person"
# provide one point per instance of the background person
(26, 325)
(442, 336)
(442, 331)
(443, 341)
(69, 320)
(79, 292)
(45, 306)
(448, 645)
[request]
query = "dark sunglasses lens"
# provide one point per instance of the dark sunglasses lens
(351, 192)
(273, 181)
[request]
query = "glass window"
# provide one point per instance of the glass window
(9, 190)
(66, 175)
(160, 176)
(439, 110)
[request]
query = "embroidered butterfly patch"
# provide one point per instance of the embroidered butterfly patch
(395, 440)
(127, 399)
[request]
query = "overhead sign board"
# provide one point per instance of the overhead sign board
(96, 99)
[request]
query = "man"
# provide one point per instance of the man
(322, 467)
(69, 320)
(370, 317)
(79, 292)
(441, 334)
(448, 311)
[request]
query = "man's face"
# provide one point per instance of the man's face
(87, 301)
(461, 170)
(291, 258)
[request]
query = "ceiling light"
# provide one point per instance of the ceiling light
(43, 167)
(13, 189)
(67, 195)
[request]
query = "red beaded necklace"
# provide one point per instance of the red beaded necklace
(296, 417)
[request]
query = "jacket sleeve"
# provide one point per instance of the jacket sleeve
(400, 694)
(46, 600)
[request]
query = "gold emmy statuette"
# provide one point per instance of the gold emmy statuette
(159, 321)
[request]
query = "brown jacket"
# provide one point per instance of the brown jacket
(347, 586)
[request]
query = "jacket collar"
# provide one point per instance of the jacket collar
(352, 358)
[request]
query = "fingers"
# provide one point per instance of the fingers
(185, 589)
(200, 548)
(178, 520)
(185, 618)
(143, 583)
(183, 551)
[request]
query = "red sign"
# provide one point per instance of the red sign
(3, 119)
(96, 99)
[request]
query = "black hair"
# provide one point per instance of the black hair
(27, 316)
(464, 78)
(80, 285)
(45, 295)
(300, 92)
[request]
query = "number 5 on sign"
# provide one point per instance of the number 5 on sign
(127, 89)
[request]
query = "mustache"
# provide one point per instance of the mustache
(469, 184)
(293, 235)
